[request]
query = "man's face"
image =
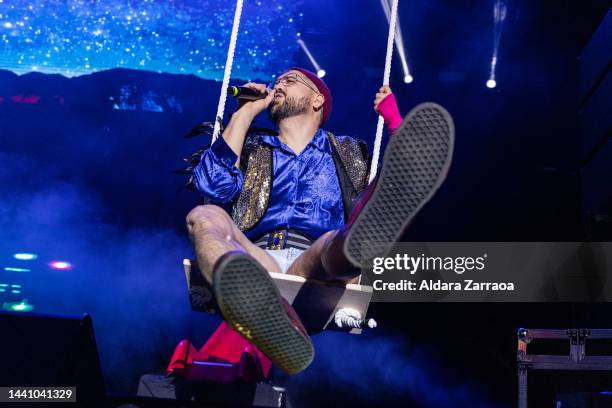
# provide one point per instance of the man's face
(294, 95)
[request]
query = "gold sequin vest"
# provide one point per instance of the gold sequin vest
(350, 158)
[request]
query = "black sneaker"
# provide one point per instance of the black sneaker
(250, 302)
(415, 163)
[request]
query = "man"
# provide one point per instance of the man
(295, 194)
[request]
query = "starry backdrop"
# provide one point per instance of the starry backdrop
(78, 37)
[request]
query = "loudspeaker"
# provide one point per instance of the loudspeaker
(38, 350)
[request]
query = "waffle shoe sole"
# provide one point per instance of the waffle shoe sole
(250, 302)
(415, 164)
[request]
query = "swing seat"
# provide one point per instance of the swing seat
(315, 302)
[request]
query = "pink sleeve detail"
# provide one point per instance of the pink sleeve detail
(390, 112)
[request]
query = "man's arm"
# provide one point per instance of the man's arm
(241, 120)
(218, 176)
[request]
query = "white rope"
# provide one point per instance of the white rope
(228, 70)
(351, 318)
(386, 76)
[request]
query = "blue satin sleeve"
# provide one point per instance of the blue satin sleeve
(216, 176)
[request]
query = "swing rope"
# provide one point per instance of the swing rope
(386, 76)
(228, 70)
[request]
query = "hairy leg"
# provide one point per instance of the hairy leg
(213, 233)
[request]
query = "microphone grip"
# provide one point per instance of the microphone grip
(244, 92)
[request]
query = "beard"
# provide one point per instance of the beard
(291, 106)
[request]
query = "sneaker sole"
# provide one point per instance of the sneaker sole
(416, 162)
(250, 302)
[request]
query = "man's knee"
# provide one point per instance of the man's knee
(207, 217)
(329, 235)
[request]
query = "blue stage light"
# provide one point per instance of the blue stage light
(491, 83)
(12, 269)
(22, 306)
(24, 256)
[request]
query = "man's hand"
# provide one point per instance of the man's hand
(382, 94)
(386, 106)
(238, 126)
(254, 108)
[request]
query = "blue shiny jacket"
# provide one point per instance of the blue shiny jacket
(312, 191)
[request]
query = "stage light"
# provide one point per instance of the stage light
(60, 265)
(14, 288)
(317, 68)
(399, 41)
(499, 16)
(12, 269)
(22, 306)
(24, 256)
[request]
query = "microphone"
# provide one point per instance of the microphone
(244, 92)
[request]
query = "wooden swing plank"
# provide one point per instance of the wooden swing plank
(315, 302)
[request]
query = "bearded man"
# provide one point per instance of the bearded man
(300, 204)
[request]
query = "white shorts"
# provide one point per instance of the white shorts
(284, 257)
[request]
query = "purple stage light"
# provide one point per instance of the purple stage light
(60, 265)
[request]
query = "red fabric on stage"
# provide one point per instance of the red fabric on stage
(225, 344)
